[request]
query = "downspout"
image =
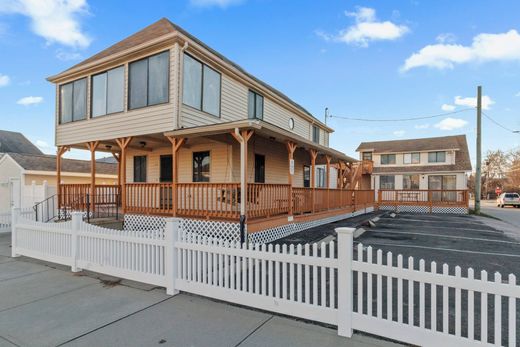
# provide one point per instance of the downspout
(179, 84)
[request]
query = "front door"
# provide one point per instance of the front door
(259, 168)
(306, 176)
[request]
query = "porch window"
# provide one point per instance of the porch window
(73, 101)
(412, 158)
(367, 155)
(315, 134)
(387, 182)
(201, 86)
(410, 181)
(259, 168)
(140, 168)
(443, 182)
(149, 81)
(320, 177)
(436, 157)
(108, 92)
(387, 159)
(255, 106)
(201, 163)
(306, 176)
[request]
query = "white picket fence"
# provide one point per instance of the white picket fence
(5, 218)
(135, 255)
(333, 283)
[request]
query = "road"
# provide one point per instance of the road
(509, 215)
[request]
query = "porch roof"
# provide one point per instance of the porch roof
(262, 128)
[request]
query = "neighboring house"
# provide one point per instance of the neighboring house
(436, 163)
(26, 179)
(196, 135)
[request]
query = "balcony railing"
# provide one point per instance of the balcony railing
(435, 198)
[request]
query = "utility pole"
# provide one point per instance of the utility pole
(326, 114)
(478, 172)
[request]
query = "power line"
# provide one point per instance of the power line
(500, 125)
(401, 119)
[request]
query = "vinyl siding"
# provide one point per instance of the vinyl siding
(147, 120)
(279, 116)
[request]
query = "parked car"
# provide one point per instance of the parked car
(505, 199)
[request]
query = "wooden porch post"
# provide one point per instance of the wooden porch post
(123, 144)
(291, 147)
(176, 145)
(92, 146)
(59, 153)
(314, 154)
(243, 137)
(327, 180)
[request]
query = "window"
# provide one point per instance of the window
(201, 86)
(447, 182)
(73, 101)
(411, 158)
(140, 168)
(291, 123)
(436, 157)
(201, 161)
(108, 92)
(165, 168)
(320, 177)
(259, 168)
(410, 181)
(387, 182)
(148, 81)
(306, 176)
(367, 155)
(315, 134)
(255, 106)
(387, 159)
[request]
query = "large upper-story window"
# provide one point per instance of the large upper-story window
(73, 101)
(255, 106)
(148, 81)
(436, 157)
(367, 156)
(315, 134)
(411, 158)
(108, 89)
(387, 159)
(201, 86)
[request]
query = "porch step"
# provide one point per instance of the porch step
(110, 223)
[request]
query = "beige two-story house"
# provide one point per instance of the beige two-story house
(436, 163)
(197, 136)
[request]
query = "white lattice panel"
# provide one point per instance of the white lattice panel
(414, 209)
(139, 222)
(450, 210)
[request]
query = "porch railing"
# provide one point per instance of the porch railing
(267, 200)
(424, 197)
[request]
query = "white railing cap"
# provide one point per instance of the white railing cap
(345, 230)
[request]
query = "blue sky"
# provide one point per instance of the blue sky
(361, 59)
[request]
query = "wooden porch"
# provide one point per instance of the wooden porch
(428, 198)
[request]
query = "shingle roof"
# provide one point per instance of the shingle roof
(46, 162)
(165, 26)
(15, 142)
(456, 142)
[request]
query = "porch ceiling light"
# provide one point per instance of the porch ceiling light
(109, 147)
(142, 143)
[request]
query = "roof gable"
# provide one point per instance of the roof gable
(16, 142)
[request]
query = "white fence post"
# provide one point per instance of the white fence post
(15, 212)
(345, 288)
(77, 219)
(171, 235)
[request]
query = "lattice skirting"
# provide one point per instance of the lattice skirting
(425, 209)
(270, 235)
(215, 229)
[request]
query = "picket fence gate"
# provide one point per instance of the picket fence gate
(333, 283)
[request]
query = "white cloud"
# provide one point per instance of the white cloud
(450, 123)
(445, 38)
(484, 48)
(218, 3)
(399, 133)
(447, 107)
(422, 126)
(4, 80)
(366, 29)
(517, 94)
(54, 20)
(30, 100)
(472, 101)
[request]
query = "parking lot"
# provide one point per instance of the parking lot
(468, 241)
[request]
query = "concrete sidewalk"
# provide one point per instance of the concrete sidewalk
(42, 304)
